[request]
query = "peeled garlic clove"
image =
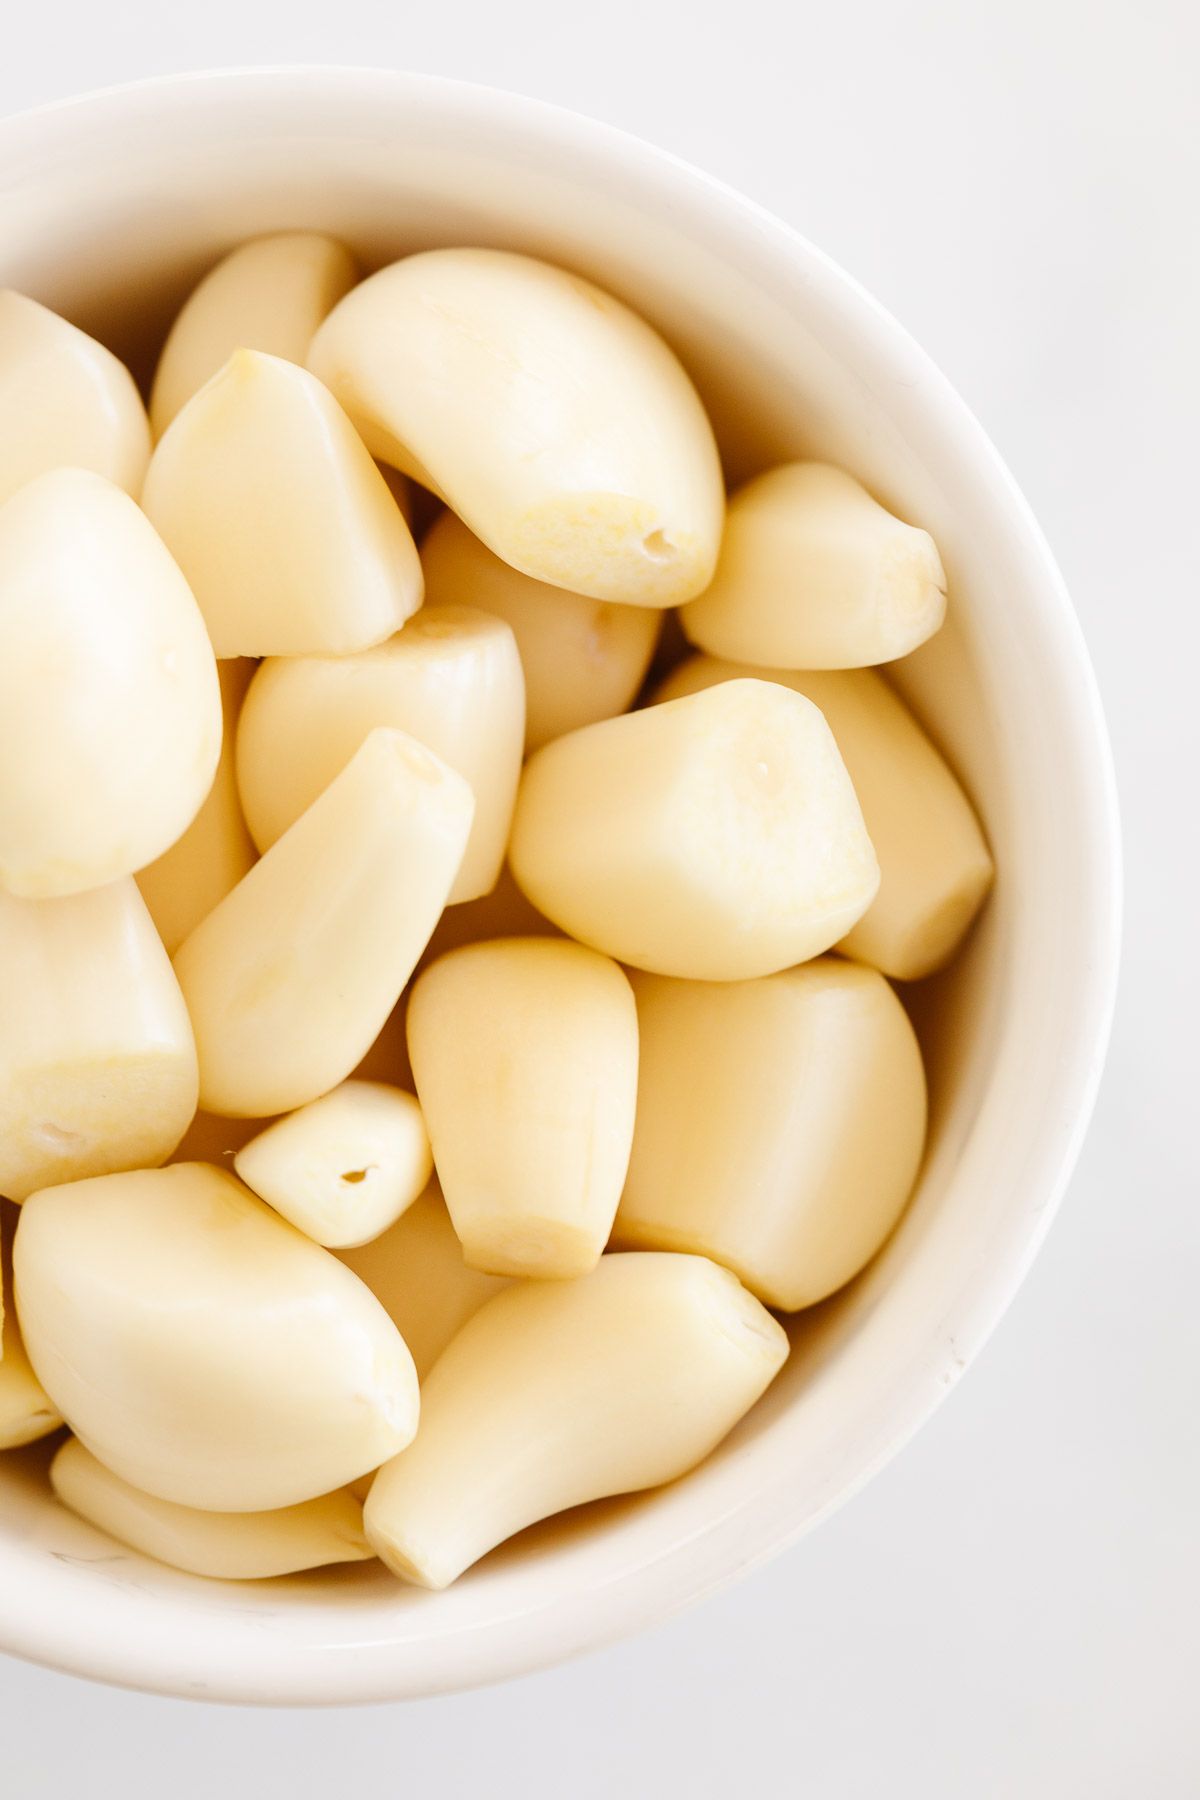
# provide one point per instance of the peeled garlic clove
(97, 1061)
(583, 659)
(451, 679)
(110, 713)
(344, 1167)
(279, 518)
(780, 1125)
(182, 886)
(815, 574)
(25, 1410)
(65, 400)
(269, 294)
(524, 1052)
(230, 1546)
(203, 1349)
(715, 837)
(291, 977)
(552, 419)
(559, 1392)
(417, 1273)
(934, 865)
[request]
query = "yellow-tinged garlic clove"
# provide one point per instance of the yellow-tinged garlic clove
(206, 1351)
(715, 837)
(292, 976)
(815, 574)
(110, 712)
(268, 294)
(344, 1167)
(552, 419)
(524, 1053)
(451, 679)
(780, 1125)
(278, 517)
(66, 402)
(559, 1392)
(97, 1060)
(25, 1410)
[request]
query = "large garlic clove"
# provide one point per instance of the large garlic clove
(934, 865)
(451, 679)
(815, 574)
(524, 1052)
(97, 1061)
(66, 402)
(559, 1392)
(182, 886)
(291, 977)
(279, 518)
(25, 1410)
(780, 1125)
(715, 837)
(583, 659)
(232, 1546)
(268, 294)
(203, 1349)
(344, 1167)
(417, 1272)
(110, 712)
(550, 417)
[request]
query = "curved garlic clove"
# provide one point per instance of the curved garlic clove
(97, 1060)
(268, 294)
(291, 977)
(417, 1273)
(110, 712)
(815, 574)
(559, 1392)
(451, 679)
(934, 865)
(278, 517)
(715, 837)
(26, 1413)
(203, 1349)
(550, 417)
(344, 1167)
(524, 1052)
(780, 1125)
(66, 402)
(229, 1546)
(583, 659)
(182, 886)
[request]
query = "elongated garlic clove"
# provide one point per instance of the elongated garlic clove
(935, 869)
(780, 1125)
(279, 518)
(583, 659)
(268, 294)
(110, 713)
(559, 1392)
(524, 1052)
(344, 1167)
(715, 837)
(291, 977)
(203, 1349)
(815, 574)
(230, 1546)
(25, 1410)
(66, 402)
(417, 1273)
(97, 1060)
(182, 886)
(550, 417)
(451, 679)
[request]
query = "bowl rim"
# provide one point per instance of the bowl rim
(730, 1545)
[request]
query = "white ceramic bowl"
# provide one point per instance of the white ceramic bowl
(109, 207)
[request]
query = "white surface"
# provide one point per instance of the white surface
(1009, 1607)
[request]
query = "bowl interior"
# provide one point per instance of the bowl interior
(110, 210)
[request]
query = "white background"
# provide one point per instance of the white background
(1010, 1609)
